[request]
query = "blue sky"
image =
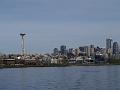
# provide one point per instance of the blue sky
(51, 23)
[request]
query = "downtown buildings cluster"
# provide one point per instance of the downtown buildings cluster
(90, 54)
(83, 55)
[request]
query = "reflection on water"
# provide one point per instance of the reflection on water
(61, 78)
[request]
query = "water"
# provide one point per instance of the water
(61, 78)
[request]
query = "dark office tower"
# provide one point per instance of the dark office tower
(63, 49)
(115, 48)
(109, 43)
(109, 46)
(56, 51)
(70, 50)
(82, 49)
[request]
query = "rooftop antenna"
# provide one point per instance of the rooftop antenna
(23, 46)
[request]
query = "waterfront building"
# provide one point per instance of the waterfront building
(116, 57)
(103, 51)
(77, 51)
(70, 50)
(30, 62)
(85, 49)
(100, 58)
(54, 61)
(115, 48)
(9, 62)
(79, 60)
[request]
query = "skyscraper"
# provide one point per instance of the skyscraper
(82, 49)
(87, 50)
(92, 50)
(56, 51)
(109, 43)
(109, 46)
(63, 49)
(115, 48)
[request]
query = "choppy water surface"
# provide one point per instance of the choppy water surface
(61, 78)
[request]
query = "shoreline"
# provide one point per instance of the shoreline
(27, 66)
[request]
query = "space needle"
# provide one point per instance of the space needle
(23, 43)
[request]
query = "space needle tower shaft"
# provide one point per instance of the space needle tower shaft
(23, 43)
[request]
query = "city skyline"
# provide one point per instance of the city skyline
(49, 24)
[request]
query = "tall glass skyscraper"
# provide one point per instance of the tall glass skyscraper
(109, 46)
(56, 51)
(63, 49)
(109, 43)
(115, 48)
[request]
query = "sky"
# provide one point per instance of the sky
(52, 23)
